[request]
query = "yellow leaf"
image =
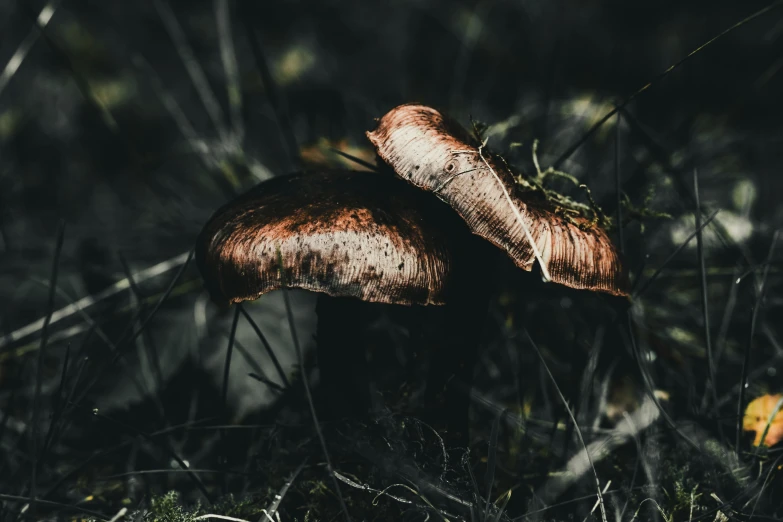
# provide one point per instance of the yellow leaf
(757, 415)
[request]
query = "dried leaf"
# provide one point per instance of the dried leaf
(757, 415)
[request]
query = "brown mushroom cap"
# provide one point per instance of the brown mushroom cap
(343, 233)
(436, 154)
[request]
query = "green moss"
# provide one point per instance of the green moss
(168, 508)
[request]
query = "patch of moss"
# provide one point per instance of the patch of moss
(168, 508)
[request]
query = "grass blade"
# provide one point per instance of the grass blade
(573, 148)
(573, 419)
(676, 251)
(308, 392)
(748, 348)
(705, 310)
(24, 47)
(39, 370)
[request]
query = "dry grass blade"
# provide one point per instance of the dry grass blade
(570, 150)
(705, 307)
(648, 382)
(489, 479)
(230, 69)
(276, 99)
(308, 392)
(165, 446)
(573, 420)
(356, 160)
(194, 141)
(63, 479)
(87, 301)
(664, 155)
(57, 406)
(224, 390)
(58, 505)
(194, 70)
(40, 368)
(130, 335)
(746, 357)
(24, 47)
(676, 251)
(270, 352)
(617, 185)
(273, 507)
(220, 517)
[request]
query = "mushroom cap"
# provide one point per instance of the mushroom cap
(436, 154)
(343, 233)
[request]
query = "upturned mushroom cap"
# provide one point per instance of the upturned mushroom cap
(343, 233)
(437, 155)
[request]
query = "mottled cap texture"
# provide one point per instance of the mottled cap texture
(344, 233)
(436, 154)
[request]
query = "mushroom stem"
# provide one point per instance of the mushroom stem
(342, 359)
(445, 340)
(459, 338)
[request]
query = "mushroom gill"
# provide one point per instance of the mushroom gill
(343, 233)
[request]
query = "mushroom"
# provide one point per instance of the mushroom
(358, 238)
(435, 154)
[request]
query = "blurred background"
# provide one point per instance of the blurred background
(124, 125)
